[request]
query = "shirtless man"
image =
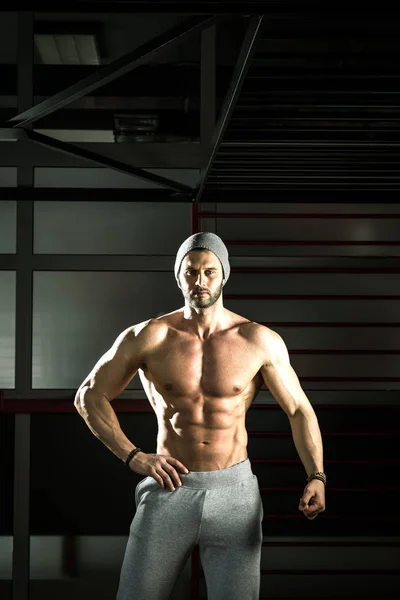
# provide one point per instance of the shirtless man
(201, 367)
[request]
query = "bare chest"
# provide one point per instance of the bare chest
(223, 366)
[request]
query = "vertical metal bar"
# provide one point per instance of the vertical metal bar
(207, 85)
(195, 559)
(195, 217)
(239, 73)
(21, 546)
(24, 301)
(23, 323)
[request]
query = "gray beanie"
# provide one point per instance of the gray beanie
(207, 241)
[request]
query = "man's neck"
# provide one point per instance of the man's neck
(204, 322)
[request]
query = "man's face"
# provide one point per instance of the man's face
(201, 271)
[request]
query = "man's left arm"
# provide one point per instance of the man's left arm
(283, 383)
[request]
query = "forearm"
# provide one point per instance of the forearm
(101, 419)
(308, 441)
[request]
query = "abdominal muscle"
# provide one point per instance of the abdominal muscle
(205, 440)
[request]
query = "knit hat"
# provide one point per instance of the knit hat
(204, 241)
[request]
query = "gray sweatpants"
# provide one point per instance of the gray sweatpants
(221, 511)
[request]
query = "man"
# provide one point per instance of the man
(201, 366)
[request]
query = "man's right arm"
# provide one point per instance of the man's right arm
(109, 377)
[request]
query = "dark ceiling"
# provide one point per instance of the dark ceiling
(319, 108)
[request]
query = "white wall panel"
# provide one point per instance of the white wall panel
(8, 176)
(8, 226)
(111, 227)
(7, 329)
(78, 315)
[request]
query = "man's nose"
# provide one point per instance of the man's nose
(200, 279)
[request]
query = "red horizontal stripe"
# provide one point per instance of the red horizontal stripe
(320, 597)
(316, 597)
(308, 243)
(294, 461)
(322, 270)
(396, 490)
(346, 352)
(349, 379)
(61, 405)
(340, 407)
(334, 545)
(270, 434)
(214, 215)
(324, 324)
(341, 517)
(364, 572)
(309, 297)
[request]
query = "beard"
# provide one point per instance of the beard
(203, 301)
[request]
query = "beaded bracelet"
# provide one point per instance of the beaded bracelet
(131, 455)
(317, 475)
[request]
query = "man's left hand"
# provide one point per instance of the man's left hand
(313, 499)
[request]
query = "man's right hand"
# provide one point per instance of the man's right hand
(160, 467)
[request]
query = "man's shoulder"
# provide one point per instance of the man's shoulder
(151, 327)
(265, 342)
(256, 331)
(154, 330)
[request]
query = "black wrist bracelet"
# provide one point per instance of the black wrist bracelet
(131, 455)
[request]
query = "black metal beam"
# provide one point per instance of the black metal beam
(140, 56)
(204, 6)
(104, 161)
(321, 195)
(239, 73)
(23, 327)
(166, 155)
(92, 194)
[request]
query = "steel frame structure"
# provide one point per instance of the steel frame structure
(20, 126)
(239, 73)
(142, 55)
(20, 129)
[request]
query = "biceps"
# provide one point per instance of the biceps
(111, 374)
(284, 385)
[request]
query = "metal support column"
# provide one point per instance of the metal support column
(207, 85)
(23, 320)
(239, 73)
(195, 557)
